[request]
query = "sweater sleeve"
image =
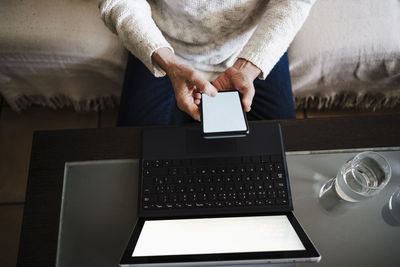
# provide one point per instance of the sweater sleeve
(133, 23)
(275, 31)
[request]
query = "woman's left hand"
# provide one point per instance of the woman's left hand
(240, 77)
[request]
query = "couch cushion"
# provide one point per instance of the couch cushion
(348, 55)
(58, 53)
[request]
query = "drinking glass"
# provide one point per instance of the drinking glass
(361, 177)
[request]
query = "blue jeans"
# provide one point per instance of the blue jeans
(146, 100)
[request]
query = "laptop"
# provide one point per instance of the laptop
(214, 202)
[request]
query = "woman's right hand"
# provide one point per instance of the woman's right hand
(188, 83)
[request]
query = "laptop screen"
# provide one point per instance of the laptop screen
(217, 235)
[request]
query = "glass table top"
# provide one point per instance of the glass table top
(100, 198)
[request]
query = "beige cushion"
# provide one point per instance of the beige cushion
(348, 55)
(57, 53)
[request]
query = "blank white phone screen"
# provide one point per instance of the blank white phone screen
(217, 235)
(223, 113)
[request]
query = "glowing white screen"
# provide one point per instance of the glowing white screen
(217, 235)
(223, 113)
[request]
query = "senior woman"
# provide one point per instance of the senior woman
(182, 48)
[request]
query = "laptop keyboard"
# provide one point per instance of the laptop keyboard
(204, 183)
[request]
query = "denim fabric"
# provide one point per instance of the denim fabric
(146, 100)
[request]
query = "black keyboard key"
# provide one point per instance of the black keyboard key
(150, 199)
(183, 198)
(232, 196)
(268, 185)
(265, 177)
(212, 196)
(191, 189)
(278, 167)
(270, 201)
(199, 205)
(279, 184)
(264, 159)
(163, 199)
(217, 178)
(192, 197)
(230, 187)
(189, 205)
(203, 170)
(157, 163)
(218, 203)
(251, 168)
(159, 180)
(252, 195)
(259, 185)
(148, 187)
(241, 169)
(211, 188)
(271, 194)
(259, 202)
(249, 186)
(178, 180)
(242, 195)
(221, 187)
(281, 201)
(282, 194)
(239, 186)
(270, 167)
(249, 202)
(222, 196)
(239, 203)
(260, 168)
(173, 171)
(173, 198)
(261, 194)
(247, 177)
(146, 163)
(200, 188)
(228, 203)
(256, 177)
(203, 197)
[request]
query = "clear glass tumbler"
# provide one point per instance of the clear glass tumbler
(361, 177)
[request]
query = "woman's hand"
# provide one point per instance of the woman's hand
(240, 76)
(188, 84)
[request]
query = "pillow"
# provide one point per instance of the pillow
(347, 55)
(58, 53)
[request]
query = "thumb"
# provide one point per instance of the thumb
(205, 86)
(247, 99)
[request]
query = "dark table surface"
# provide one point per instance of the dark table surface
(51, 149)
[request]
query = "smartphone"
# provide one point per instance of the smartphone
(223, 116)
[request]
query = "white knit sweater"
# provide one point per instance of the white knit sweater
(207, 35)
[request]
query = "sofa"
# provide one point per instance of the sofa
(59, 53)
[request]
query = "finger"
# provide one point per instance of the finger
(197, 95)
(190, 108)
(221, 85)
(248, 95)
(205, 86)
(193, 110)
(197, 101)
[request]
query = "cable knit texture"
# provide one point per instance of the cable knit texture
(207, 35)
